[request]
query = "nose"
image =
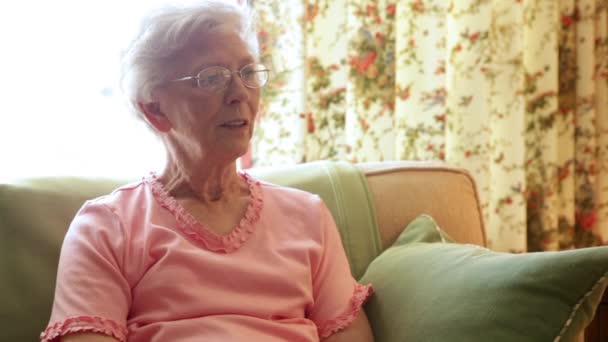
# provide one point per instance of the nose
(236, 92)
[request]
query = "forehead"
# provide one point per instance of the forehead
(225, 48)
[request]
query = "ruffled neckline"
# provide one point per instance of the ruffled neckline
(198, 232)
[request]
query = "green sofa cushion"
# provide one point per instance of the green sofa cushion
(428, 288)
(35, 214)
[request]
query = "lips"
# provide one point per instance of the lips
(235, 123)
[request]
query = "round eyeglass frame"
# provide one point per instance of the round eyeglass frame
(197, 78)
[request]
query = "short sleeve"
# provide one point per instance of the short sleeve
(338, 297)
(91, 294)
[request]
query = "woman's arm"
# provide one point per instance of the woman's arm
(84, 337)
(358, 331)
(91, 294)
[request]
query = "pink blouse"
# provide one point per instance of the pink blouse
(136, 266)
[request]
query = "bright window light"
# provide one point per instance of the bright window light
(62, 110)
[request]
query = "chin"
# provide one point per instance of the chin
(236, 151)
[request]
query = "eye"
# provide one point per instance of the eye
(252, 68)
(254, 75)
(213, 77)
(248, 72)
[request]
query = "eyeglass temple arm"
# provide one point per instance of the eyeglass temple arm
(185, 78)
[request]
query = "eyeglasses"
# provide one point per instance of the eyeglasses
(216, 78)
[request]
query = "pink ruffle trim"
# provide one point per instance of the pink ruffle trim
(198, 232)
(80, 324)
(360, 296)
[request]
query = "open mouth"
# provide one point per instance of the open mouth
(235, 123)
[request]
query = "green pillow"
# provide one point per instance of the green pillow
(428, 288)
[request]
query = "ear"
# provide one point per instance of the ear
(155, 116)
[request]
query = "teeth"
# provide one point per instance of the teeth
(235, 123)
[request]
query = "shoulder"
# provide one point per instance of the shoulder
(294, 209)
(121, 197)
(109, 212)
(110, 222)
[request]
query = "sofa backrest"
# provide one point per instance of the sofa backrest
(371, 208)
(34, 216)
(402, 190)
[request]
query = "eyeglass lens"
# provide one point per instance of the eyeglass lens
(217, 78)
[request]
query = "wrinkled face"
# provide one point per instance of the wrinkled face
(210, 125)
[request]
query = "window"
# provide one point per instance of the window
(62, 112)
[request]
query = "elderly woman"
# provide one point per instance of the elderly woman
(202, 252)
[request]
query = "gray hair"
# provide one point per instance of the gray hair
(166, 32)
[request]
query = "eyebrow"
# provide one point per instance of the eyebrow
(244, 61)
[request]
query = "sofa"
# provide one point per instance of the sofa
(371, 203)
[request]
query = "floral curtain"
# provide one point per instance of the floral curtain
(515, 91)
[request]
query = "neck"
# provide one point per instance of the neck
(207, 182)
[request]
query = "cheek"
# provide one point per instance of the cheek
(183, 114)
(254, 100)
(196, 112)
